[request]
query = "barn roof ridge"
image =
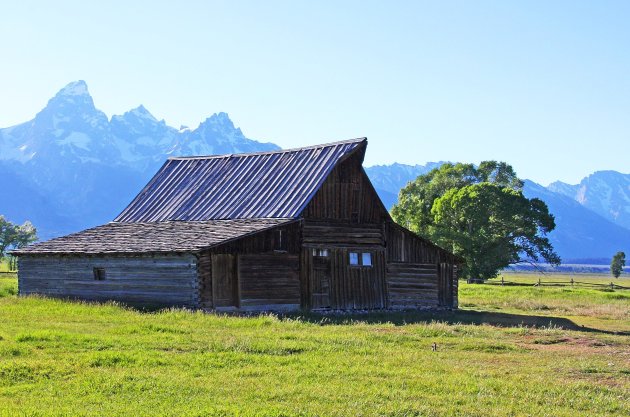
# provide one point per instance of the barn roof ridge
(245, 154)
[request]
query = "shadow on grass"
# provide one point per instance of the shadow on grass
(397, 318)
(452, 317)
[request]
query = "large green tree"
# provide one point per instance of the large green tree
(13, 236)
(617, 264)
(480, 214)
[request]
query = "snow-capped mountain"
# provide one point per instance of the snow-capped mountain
(69, 126)
(87, 167)
(605, 192)
(580, 233)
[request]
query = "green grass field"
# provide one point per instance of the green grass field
(510, 351)
(4, 265)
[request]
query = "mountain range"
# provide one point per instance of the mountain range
(72, 167)
(589, 217)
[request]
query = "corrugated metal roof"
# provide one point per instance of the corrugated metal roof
(275, 184)
(163, 237)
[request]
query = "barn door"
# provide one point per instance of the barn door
(445, 284)
(224, 281)
(320, 282)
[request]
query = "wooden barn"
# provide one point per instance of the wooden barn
(285, 230)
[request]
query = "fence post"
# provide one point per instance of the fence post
(571, 282)
(612, 286)
(539, 283)
(502, 281)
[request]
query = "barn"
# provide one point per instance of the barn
(283, 230)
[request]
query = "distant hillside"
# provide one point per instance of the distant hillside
(604, 192)
(580, 233)
(22, 201)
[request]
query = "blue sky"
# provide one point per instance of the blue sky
(542, 85)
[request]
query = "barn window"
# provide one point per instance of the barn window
(360, 259)
(99, 274)
(320, 252)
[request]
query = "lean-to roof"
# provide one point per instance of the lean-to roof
(162, 237)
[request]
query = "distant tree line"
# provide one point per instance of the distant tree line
(14, 236)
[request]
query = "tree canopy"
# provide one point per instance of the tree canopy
(13, 236)
(480, 214)
(617, 264)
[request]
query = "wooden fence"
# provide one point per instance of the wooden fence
(570, 283)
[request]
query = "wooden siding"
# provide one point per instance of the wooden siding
(225, 281)
(405, 246)
(269, 280)
(143, 280)
(266, 241)
(257, 271)
(347, 195)
(412, 285)
(419, 274)
(445, 284)
(349, 287)
(204, 275)
(320, 234)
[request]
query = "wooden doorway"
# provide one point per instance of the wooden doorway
(225, 281)
(445, 284)
(320, 282)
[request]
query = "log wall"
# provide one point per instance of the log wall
(143, 280)
(332, 283)
(405, 246)
(321, 234)
(412, 285)
(257, 272)
(419, 274)
(269, 281)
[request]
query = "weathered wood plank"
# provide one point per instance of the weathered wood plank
(264, 278)
(160, 279)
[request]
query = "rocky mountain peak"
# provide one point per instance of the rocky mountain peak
(139, 114)
(219, 122)
(75, 94)
(142, 113)
(75, 88)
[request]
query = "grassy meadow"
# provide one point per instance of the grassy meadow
(4, 265)
(509, 351)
